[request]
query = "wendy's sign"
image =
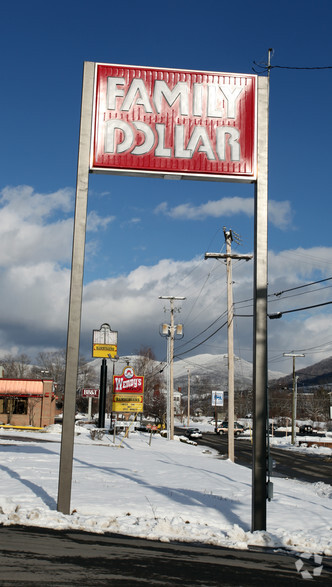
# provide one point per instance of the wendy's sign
(174, 123)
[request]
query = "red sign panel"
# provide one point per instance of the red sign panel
(90, 393)
(174, 123)
(128, 382)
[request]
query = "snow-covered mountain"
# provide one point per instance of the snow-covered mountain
(201, 368)
(215, 368)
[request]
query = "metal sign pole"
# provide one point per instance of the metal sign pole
(102, 395)
(259, 488)
(76, 290)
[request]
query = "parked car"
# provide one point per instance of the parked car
(223, 428)
(272, 428)
(306, 429)
(193, 433)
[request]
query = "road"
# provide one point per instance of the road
(291, 464)
(31, 556)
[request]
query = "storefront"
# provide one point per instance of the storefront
(27, 402)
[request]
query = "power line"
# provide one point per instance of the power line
(203, 341)
(277, 294)
(266, 68)
(301, 286)
(279, 314)
(202, 332)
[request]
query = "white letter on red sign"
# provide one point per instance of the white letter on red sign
(127, 136)
(149, 139)
(200, 135)
(231, 96)
(179, 150)
(137, 86)
(197, 100)
(180, 89)
(161, 150)
(233, 134)
(113, 92)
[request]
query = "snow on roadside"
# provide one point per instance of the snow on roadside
(166, 490)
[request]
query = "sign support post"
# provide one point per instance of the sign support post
(259, 487)
(102, 396)
(76, 290)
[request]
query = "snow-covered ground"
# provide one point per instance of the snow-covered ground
(163, 490)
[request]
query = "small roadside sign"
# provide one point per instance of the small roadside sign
(93, 393)
(217, 398)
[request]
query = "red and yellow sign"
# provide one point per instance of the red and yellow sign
(128, 390)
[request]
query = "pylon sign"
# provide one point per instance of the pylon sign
(128, 390)
(195, 124)
(104, 342)
(177, 124)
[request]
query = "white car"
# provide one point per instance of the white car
(193, 433)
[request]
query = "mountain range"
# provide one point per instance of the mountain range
(317, 374)
(201, 368)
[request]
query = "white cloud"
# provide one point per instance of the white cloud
(26, 229)
(96, 222)
(32, 206)
(280, 213)
(35, 274)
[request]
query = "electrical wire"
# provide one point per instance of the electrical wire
(279, 314)
(266, 68)
(200, 343)
(277, 294)
(301, 286)
(202, 332)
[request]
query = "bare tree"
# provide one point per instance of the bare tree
(52, 364)
(17, 367)
(317, 405)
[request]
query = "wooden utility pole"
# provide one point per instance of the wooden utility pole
(229, 236)
(294, 399)
(188, 398)
(230, 343)
(170, 328)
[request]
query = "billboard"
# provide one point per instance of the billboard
(174, 123)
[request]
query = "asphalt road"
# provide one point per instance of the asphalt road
(291, 464)
(31, 556)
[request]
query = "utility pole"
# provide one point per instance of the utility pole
(169, 331)
(229, 237)
(294, 398)
(188, 398)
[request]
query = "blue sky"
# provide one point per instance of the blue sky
(147, 237)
